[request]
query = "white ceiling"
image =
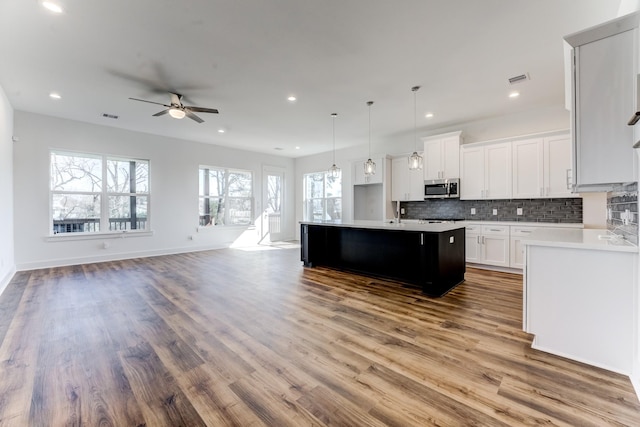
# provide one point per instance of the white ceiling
(246, 57)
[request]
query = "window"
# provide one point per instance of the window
(94, 193)
(322, 197)
(226, 196)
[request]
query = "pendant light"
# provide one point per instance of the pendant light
(369, 165)
(334, 171)
(415, 159)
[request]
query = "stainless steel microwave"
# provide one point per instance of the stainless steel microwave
(441, 188)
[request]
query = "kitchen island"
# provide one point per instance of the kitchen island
(431, 256)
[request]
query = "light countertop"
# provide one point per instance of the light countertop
(528, 224)
(388, 225)
(594, 239)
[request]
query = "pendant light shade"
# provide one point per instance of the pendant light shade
(415, 159)
(369, 165)
(334, 171)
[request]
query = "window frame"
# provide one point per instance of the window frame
(308, 216)
(228, 171)
(104, 194)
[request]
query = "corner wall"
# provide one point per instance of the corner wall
(173, 209)
(7, 254)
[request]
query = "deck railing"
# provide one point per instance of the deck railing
(92, 225)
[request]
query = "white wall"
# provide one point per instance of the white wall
(174, 191)
(7, 257)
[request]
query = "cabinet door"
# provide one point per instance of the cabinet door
(528, 168)
(605, 100)
(433, 159)
(451, 157)
(472, 248)
(399, 179)
(517, 253)
(557, 155)
(495, 250)
(472, 173)
(358, 173)
(498, 171)
(415, 186)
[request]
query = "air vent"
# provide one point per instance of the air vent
(519, 79)
(110, 116)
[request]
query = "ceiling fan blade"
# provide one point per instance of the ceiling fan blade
(150, 102)
(162, 113)
(203, 110)
(193, 116)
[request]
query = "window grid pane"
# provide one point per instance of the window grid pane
(226, 197)
(323, 197)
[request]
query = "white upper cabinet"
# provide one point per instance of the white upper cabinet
(442, 156)
(359, 177)
(603, 100)
(406, 185)
(528, 168)
(485, 171)
(558, 168)
(542, 167)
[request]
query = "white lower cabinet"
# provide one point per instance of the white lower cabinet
(499, 245)
(488, 244)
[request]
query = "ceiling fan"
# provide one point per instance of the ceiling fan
(178, 110)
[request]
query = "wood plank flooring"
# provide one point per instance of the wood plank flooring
(251, 338)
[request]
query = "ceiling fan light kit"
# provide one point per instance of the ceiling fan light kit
(178, 110)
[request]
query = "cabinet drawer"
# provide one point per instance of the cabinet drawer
(473, 229)
(522, 231)
(502, 230)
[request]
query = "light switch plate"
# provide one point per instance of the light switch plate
(451, 239)
(519, 211)
(495, 211)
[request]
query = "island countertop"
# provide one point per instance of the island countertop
(391, 225)
(595, 239)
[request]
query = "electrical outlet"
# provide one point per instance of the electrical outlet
(473, 211)
(519, 211)
(495, 211)
(451, 240)
(401, 211)
(105, 245)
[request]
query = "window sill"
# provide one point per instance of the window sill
(65, 237)
(210, 228)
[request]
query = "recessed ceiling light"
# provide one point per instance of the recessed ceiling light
(428, 115)
(54, 95)
(220, 130)
(297, 148)
(291, 98)
(53, 7)
(514, 94)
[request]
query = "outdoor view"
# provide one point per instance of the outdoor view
(323, 197)
(80, 202)
(226, 197)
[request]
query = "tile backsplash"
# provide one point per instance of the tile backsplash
(561, 210)
(622, 211)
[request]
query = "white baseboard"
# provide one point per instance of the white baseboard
(62, 262)
(6, 279)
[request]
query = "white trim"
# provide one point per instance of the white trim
(6, 279)
(63, 262)
(66, 237)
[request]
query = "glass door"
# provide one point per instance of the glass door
(273, 197)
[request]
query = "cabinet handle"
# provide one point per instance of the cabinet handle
(494, 229)
(478, 239)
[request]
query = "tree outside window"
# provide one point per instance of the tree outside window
(226, 196)
(81, 202)
(322, 197)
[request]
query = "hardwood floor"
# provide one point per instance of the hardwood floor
(238, 338)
